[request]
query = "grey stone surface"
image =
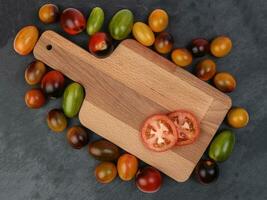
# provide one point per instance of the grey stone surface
(38, 164)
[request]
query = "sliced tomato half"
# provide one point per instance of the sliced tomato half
(187, 125)
(159, 133)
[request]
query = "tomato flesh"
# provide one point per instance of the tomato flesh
(187, 126)
(159, 133)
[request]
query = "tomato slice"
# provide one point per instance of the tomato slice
(159, 133)
(187, 125)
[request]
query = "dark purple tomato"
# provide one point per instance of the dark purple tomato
(53, 84)
(207, 171)
(148, 180)
(100, 44)
(77, 137)
(199, 47)
(72, 21)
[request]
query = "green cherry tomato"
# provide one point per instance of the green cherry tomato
(222, 146)
(72, 99)
(95, 21)
(121, 24)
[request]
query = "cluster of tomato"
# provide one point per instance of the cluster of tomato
(184, 124)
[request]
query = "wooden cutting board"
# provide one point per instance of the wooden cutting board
(133, 83)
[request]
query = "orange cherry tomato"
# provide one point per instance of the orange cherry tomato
(182, 57)
(48, 13)
(105, 172)
(221, 46)
(206, 69)
(237, 117)
(34, 98)
(225, 82)
(25, 40)
(127, 166)
(158, 20)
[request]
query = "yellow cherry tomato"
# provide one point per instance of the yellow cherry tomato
(143, 34)
(182, 57)
(25, 40)
(237, 117)
(158, 20)
(221, 46)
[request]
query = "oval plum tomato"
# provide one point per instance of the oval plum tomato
(159, 133)
(100, 45)
(187, 125)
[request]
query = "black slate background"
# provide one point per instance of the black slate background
(38, 164)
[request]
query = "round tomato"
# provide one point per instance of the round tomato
(221, 46)
(238, 117)
(100, 45)
(159, 133)
(148, 180)
(188, 127)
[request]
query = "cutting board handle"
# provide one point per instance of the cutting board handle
(49, 49)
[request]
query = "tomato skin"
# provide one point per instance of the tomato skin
(121, 24)
(185, 138)
(48, 13)
(56, 120)
(95, 21)
(25, 40)
(199, 47)
(77, 137)
(72, 21)
(182, 57)
(143, 34)
(35, 98)
(222, 146)
(148, 180)
(105, 172)
(127, 166)
(35, 72)
(146, 135)
(158, 20)
(225, 82)
(72, 99)
(164, 43)
(207, 171)
(104, 150)
(221, 46)
(205, 69)
(100, 45)
(53, 84)
(238, 117)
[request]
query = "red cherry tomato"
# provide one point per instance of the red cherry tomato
(72, 21)
(188, 127)
(148, 180)
(34, 98)
(53, 84)
(159, 133)
(100, 44)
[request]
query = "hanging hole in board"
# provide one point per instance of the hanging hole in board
(49, 47)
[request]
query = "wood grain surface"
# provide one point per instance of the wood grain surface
(133, 83)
